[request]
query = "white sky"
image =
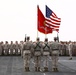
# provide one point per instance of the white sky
(19, 17)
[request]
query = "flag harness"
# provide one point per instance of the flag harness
(46, 45)
(37, 45)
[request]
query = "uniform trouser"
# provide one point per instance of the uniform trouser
(21, 53)
(45, 60)
(70, 53)
(6, 51)
(37, 61)
(55, 55)
(74, 52)
(11, 51)
(26, 58)
(16, 51)
(67, 52)
(0, 51)
(61, 52)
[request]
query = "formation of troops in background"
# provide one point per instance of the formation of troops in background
(38, 50)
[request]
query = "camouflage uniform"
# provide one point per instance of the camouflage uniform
(11, 48)
(55, 54)
(27, 54)
(0, 48)
(70, 46)
(17, 48)
(74, 49)
(21, 48)
(61, 50)
(6, 48)
(67, 49)
(46, 53)
(37, 54)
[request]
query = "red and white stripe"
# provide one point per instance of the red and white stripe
(53, 22)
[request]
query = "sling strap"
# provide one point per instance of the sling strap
(46, 45)
(37, 45)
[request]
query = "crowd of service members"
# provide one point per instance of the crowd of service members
(38, 49)
(64, 46)
(11, 48)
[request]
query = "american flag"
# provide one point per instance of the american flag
(51, 20)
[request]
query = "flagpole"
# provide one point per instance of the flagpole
(37, 33)
(57, 37)
(45, 25)
(25, 38)
(45, 32)
(37, 20)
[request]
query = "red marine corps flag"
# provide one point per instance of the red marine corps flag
(41, 26)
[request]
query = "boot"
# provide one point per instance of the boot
(25, 68)
(35, 68)
(70, 58)
(28, 69)
(39, 69)
(56, 69)
(45, 69)
(53, 69)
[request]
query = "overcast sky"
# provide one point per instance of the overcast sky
(19, 17)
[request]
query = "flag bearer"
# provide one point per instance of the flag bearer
(27, 54)
(46, 53)
(37, 54)
(55, 54)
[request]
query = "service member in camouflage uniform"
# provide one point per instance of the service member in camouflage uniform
(37, 54)
(55, 54)
(64, 46)
(0, 48)
(46, 53)
(27, 54)
(16, 48)
(74, 49)
(21, 48)
(11, 48)
(70, 47)
(61, 50)
(6, 48)
(66, 49)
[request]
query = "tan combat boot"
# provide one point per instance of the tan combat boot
(35, 68)
(25, 68)
(45, 69)
(56, 69)
(70, 58)
(28, 69)
(39, 69)
(53, 69)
